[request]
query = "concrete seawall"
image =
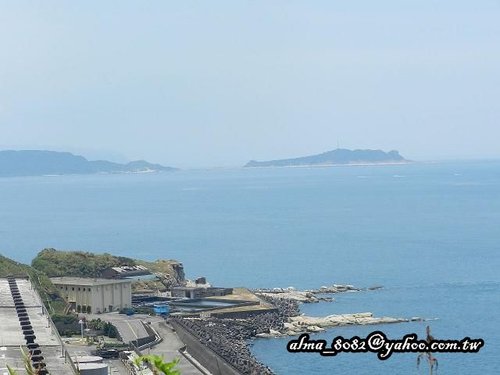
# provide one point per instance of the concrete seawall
(207, 357)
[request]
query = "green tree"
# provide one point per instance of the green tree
(158, 365)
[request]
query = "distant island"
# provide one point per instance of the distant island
(336, 157)
(43, 163)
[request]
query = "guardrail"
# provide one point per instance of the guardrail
(69, 360)
(55, 332)
(205, 355)
(147, 342)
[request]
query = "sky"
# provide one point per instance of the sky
(197, 84)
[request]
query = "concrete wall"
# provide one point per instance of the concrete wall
(118, 296)
(77, 294)
(206, 356)
(241, 314)
(98, 297)
(199, 292)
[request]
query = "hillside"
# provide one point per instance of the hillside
(53, 263)
(47, 290)
(39, 163)
(56, 263)
(335, 157)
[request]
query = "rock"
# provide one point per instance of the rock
(416, 319)
(335, 288)
(274, 333)
(315, 329)
(291, 295)
(303, 323)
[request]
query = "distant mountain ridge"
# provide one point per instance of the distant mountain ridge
(339, 156)
(40, 162)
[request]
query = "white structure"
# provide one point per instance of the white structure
(95, 295)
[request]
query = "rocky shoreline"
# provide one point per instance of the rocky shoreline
(229, 337)
(310, 295)
(309, 324)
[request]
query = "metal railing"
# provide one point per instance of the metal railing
(55, 332)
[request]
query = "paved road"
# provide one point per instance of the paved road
(131, 328)
(116, 367)
(170, 346)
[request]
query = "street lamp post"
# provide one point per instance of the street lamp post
(81, 322)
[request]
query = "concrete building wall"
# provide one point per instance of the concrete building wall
(100, 297)
(97, 303)
(111, 296)
(77, 295)
(200, 292)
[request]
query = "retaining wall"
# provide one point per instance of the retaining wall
(206, 356)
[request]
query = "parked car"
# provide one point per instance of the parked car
(106, 353)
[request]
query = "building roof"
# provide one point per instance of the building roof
(125, 269)
(12, 336)
(86, 281)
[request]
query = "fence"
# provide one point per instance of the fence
(55, 332)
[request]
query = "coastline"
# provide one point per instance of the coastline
(325, 165)
(215, 337)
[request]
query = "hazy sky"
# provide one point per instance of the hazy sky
(216, 83)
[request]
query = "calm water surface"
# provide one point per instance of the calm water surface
(429, 233)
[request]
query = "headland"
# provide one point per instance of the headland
(336, 157)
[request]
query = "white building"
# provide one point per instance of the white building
(95, 295)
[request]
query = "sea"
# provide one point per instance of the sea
(428, 233)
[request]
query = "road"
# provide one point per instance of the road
(116, 367)
(169, 349)
(131, 328)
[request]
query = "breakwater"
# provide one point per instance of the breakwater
(220, 341)
(227, 338)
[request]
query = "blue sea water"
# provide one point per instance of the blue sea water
(429, 233)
